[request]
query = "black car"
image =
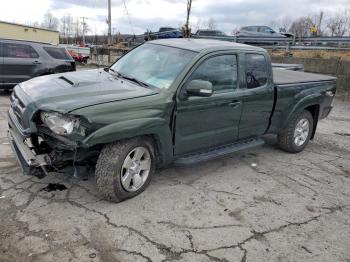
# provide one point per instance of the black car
(22, 60)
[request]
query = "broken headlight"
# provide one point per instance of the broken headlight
(62, 124)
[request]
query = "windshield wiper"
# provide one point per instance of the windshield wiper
(133, 79)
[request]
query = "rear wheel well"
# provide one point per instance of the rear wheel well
(315, 111)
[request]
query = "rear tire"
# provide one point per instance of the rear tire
(120, 172)
(298, 133)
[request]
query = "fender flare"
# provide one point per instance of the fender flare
(310, 100)
(157, 127)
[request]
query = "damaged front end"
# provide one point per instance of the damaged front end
(47, 141)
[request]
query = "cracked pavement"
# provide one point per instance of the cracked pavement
(259, 205)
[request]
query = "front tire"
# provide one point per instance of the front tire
(298, 133)
(124, 168)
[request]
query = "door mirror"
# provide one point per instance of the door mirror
(199, 88)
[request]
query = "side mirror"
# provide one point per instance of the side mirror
(199, 88)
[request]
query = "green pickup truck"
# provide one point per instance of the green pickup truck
(179, 101)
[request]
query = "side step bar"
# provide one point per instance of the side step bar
(218, 152)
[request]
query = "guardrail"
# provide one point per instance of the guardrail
(246, 39)
(320, 48)
(286, 42)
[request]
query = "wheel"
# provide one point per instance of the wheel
(297, 135)
(124, 168)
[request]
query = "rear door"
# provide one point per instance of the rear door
(204, 122)
(258, 96)
(20, 62)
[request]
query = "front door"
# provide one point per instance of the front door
(204, 122)
(20, 62)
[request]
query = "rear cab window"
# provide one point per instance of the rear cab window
(255, 70)
(13, 50)
(57, 53)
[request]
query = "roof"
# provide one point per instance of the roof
(199, 45)
(27, 41)
(35, 27)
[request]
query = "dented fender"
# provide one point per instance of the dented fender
(157, 127)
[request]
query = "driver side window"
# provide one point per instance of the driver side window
(220, 70)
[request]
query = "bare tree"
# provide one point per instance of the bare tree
(211, 24)
(198, 25)
(186, 28)
(282, 24)
(317, 23)
(34, 24)
(77, 29)
(66, 27)
(301, 27)
(274, 24)
(285, 24)
(339, 23)
(49, 21)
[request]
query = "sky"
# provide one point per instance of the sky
(140, 15)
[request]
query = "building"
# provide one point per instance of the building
(30, 33)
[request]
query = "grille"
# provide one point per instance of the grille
(17, 107)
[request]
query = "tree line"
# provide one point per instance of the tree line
(334, 24)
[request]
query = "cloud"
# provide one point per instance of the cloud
(152, 14)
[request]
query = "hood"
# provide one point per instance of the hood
(69, 91)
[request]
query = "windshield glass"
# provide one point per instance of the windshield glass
(154, 64)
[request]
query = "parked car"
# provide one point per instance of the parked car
(178, 101)
(169, 32)
(80, 58)
(22, 60)
(206, 32)
(163, 33)
(258, 31)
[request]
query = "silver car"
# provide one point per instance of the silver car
(258, 31)
(22, 60)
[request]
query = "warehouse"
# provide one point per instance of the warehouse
(30, 33)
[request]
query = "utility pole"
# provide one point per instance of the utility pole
(109, 22)
(83, 17)
(113, 34)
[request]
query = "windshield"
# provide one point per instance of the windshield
(154, 65)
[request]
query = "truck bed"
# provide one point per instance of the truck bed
(287, 77)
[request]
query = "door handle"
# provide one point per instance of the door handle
(36, 62)
(234, 103)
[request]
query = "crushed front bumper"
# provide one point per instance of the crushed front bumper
(28, 160)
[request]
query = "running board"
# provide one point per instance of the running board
(218, 152)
